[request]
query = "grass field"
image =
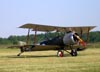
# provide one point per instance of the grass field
(46, 61)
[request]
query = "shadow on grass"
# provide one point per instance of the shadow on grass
(32, 56)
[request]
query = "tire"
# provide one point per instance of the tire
(74, 52)
(60, 53)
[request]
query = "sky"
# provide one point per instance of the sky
(14, 13)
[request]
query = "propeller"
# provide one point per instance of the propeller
(80, 40)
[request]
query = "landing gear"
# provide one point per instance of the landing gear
(60, 53)
(74, 52)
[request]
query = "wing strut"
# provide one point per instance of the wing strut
(35, 37)
(81, 32)
(27, 39)
(87, 40)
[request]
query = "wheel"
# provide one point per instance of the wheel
(74, 52)
(60, 53)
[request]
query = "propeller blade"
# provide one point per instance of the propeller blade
(80, 41)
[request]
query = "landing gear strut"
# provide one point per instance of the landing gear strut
(73, 52)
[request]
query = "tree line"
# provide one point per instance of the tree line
(93, 37)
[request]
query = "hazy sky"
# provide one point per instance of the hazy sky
(14, 13)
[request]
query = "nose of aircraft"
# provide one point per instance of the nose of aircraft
(72, 38)
(81, 42)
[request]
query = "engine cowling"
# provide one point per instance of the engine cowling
(69, 39)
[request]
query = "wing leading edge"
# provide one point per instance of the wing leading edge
(38, 27)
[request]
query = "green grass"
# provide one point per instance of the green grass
(46, 61)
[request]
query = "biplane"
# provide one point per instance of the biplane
(71, 41)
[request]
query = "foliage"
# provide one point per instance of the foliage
(93, 37)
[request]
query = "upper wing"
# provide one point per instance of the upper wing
(79, 29)
(38, 27)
